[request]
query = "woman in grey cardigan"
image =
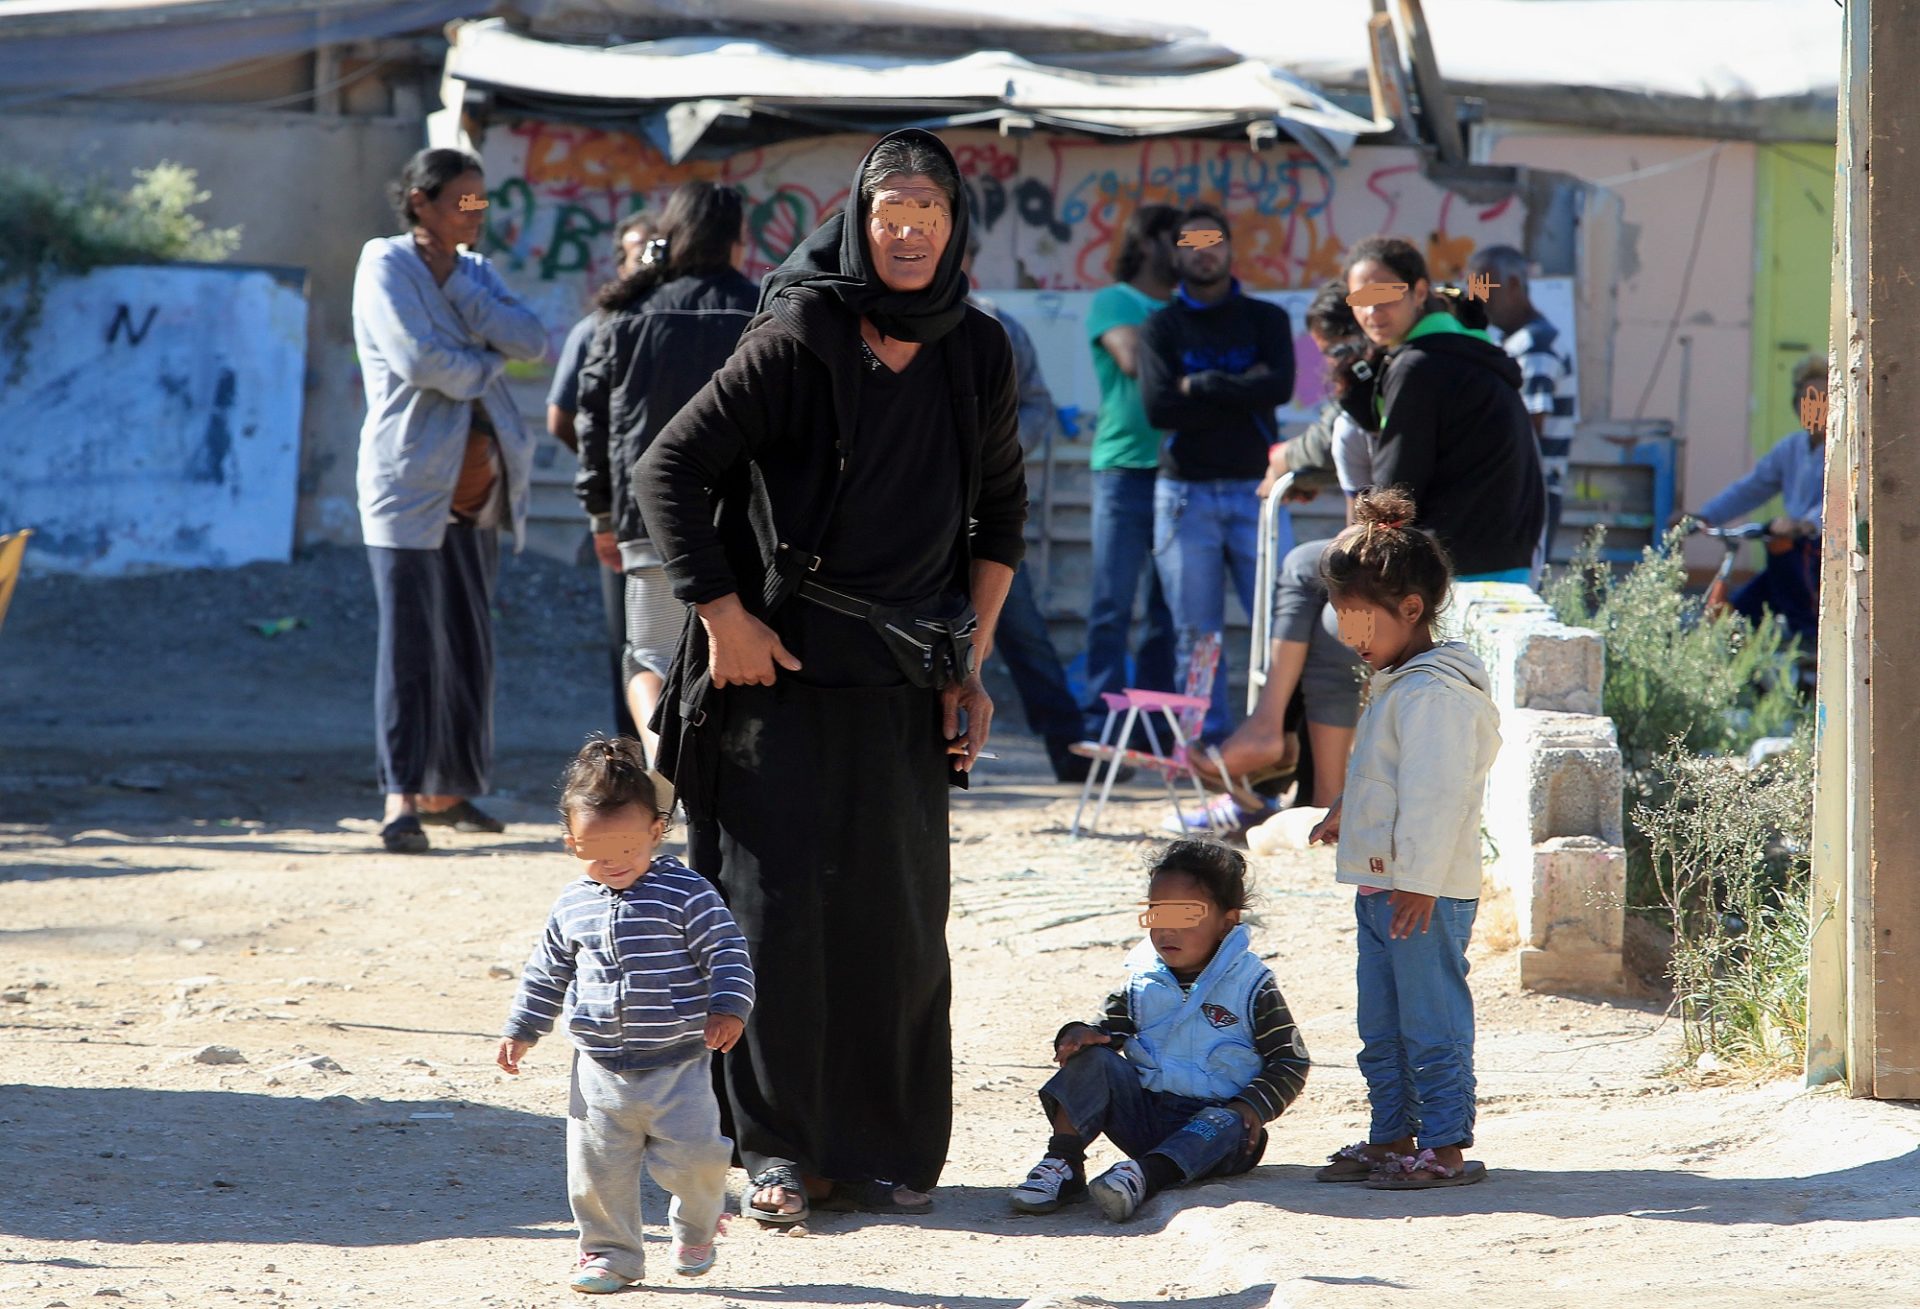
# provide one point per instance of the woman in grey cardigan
(444, 464)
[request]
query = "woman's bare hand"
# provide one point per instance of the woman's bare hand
(742, 650)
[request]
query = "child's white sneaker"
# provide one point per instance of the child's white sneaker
(1119, 1191)
(595, 1276)
(1050, 1185)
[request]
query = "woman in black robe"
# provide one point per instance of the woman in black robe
(839, 504)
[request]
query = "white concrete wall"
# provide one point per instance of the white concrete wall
(307, 191)
(157, 422)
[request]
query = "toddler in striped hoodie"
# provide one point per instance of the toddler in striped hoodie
(653, 974)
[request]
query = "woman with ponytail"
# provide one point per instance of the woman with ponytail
(668, 326)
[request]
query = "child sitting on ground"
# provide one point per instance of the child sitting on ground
(657, 975)
(1408, 826)
(1197, 1052)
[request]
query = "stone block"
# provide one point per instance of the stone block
(1558, 970)
(1557, 774)
(1579, 896)
(1550, 666)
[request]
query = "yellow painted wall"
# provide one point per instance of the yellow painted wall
(1792, 254)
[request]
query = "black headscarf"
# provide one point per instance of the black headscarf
(834, 260)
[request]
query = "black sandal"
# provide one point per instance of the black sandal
(463, 816)
(784, 1177)
(874, 1197)
(404, 836)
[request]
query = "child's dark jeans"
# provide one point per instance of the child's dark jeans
(1099, 1091)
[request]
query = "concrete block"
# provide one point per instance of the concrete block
(1555, 970)
(1556, 775)
(1550, 666)
(1579, 897)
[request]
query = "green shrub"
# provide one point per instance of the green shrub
(1715, 685)
(46, 230)
(1731, 849)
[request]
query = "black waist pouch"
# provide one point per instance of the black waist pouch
(932, 642)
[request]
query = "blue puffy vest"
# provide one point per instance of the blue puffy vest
(1199, 1044)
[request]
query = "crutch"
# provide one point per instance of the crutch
(1266, 568)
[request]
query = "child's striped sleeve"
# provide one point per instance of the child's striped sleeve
(1283, 1054)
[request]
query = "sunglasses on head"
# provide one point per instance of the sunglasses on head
(1173, 913)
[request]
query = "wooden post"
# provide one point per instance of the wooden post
(1386, 75)
(1872, 548)
(1442, 119)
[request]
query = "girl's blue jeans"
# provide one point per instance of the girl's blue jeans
(1416, 1024)
(1099, 1091)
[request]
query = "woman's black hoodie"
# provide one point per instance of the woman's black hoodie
(1454, 431)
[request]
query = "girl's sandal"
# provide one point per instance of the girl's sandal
(781, 1177)
(1350, 1163)
(1424, 1172)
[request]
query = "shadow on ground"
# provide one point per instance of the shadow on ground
(129, 1165)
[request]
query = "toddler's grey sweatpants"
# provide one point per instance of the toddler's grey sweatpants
(663, 1118)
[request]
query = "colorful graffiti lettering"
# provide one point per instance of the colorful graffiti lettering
(1049, 210)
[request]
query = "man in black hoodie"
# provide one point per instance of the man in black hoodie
(1214, 365)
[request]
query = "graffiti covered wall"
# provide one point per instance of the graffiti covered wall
(1050, 208)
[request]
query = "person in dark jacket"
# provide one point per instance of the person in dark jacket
(851, 477)
(630, 237)
(670, 325)
(1450, 426)
(1214, 365)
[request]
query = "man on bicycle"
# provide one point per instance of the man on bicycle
(1794, 470)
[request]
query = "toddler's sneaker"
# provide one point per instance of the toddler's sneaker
(692, 1260)
(1050, 1185)
(595, 1277)
(1119, 1191)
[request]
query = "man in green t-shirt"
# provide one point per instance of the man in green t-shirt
(1125, 462)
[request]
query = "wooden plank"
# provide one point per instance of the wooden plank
(1386, 75)
(1886, 390)
(1443, 119)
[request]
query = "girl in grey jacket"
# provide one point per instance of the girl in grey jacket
(445, 462)
(1408, 826)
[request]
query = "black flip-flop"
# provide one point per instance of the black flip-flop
(404, 836)
(872, 1198)
(463, 816)
(785, 1177)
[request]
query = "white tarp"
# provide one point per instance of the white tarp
(990, 83)
(1717, 50)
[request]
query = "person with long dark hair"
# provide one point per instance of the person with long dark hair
(445, 462)
(600, 552)
(1450, 428)
(668, 326)
(842, 504)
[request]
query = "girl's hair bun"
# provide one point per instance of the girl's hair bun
(1388, 508)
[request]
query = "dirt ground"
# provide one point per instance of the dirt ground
(187, 860)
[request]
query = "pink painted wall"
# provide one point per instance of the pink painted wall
(1710, 183)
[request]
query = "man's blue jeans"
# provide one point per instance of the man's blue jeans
(1122, 549)
(1203, 534)
(1100, 1092)
(1416, 1024)
(1022, 640)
